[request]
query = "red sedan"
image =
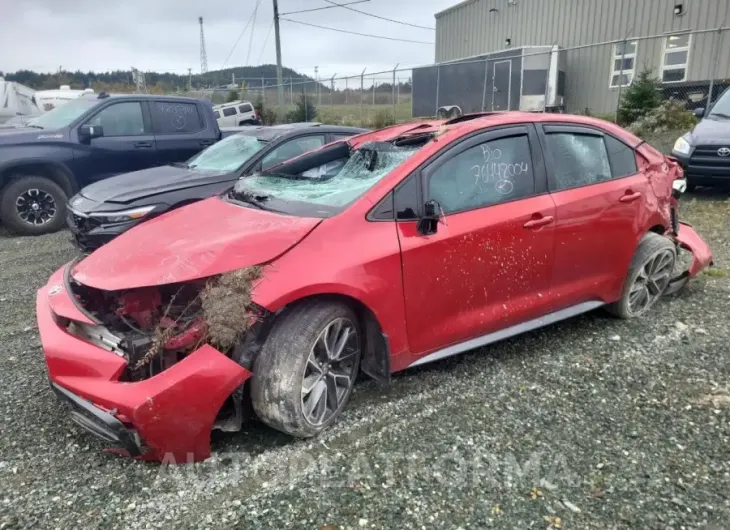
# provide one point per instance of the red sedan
(389, 250)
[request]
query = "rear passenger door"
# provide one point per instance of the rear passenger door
(180, 130)
(599, 197)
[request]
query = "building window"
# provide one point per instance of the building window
(675, 58)
(623, 74)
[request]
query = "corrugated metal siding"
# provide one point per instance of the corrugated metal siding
(469, 29)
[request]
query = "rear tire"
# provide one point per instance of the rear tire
(33, 206)
(306, 371)
(648, 277)
(246, 123)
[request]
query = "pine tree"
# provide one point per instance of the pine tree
(640, 98)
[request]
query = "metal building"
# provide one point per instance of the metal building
(669, 37)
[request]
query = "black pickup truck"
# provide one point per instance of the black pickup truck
(87, 140)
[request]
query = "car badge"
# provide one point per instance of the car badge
(55, 290)
(724, 151)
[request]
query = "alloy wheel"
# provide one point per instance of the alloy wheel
(330, 370)
(651, 282)
(36, 207)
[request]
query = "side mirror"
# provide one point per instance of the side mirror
(89, 132)
(428, 223)
(700, 112)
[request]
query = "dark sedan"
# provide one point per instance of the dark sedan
(105, 209)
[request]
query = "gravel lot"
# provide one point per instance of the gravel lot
(591, 423)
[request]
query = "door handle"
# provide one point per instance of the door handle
(538, 223)
(142, 145)
(630, 197)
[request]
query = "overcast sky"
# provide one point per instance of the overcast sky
(163, 35)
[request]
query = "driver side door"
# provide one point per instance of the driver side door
(127, 145)
(488, 264)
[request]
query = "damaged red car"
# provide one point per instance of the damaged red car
(427, 240)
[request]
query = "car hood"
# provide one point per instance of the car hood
(24, 135)
(711, 131)
(130, 187)
(206, 238)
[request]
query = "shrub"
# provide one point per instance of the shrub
(329, 117)
(304, 111)
(232, 96)
(668, 116)
(382, 118)
(639, 99)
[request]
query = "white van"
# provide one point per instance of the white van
(236, 113)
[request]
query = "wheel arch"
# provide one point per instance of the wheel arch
(375, 359)
(52, 170)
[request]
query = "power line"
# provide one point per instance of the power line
(345, 6)
(266, 41)
(242, 32)
(321, 8)
(355, 32)
(253, 28)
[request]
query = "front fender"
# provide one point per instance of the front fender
(57, 163)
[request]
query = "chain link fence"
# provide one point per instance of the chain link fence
(689, 67)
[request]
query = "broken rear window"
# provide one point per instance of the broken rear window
(228, 154)
(328, 189)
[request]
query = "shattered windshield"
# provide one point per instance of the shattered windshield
(228, 154)
(364, 168)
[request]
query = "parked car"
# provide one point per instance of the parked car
(88, 139)
(103, 210)
(704, 152)
(236, 113)
(434, 238)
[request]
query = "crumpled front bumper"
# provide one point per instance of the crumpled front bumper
(689, 239)
(168, 417)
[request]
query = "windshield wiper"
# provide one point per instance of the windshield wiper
(181, 164)
(250, 198)
(31, 125)
(720, 115)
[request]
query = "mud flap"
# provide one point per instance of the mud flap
(689, 239)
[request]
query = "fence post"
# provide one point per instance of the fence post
(291, 91)
(438, 83)
(716, 46)
(306, 110)
(332, 93)
(362, 94)
(484, 88)
(620, 75)
(346, 91)
(393, 87)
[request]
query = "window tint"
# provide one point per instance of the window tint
(121, 119)
(245, 108)
(622, 158)
(290, 149)
(578, 159)
(229, 111)
(217, 114)
(175, 118)
(489, 173)
(406, 200)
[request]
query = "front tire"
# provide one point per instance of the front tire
(33, 206)
(306, 371)
(649, 275)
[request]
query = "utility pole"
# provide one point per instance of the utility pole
(316, 79)
(279, 78)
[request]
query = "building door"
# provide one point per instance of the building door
(501, 85)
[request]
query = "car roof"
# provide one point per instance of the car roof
(287, 130)
(103, 95)
(469, 123)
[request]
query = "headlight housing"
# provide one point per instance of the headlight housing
(682, 146)
(123, 215)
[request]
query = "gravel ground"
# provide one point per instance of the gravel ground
(591, 423)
